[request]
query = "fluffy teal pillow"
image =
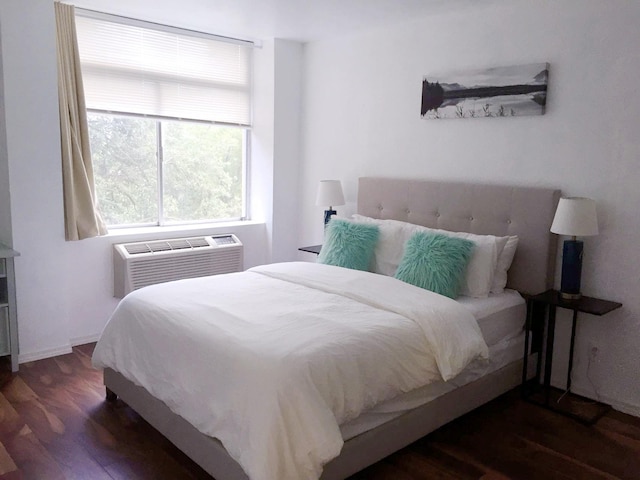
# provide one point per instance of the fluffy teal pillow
(435, 262)
(349, 244)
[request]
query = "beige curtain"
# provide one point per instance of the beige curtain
(81, 217)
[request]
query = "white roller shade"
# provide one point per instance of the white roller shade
(144, 69)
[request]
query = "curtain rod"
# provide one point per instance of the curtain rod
(85, 12)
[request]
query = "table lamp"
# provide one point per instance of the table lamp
(329, 193)
(576, 217)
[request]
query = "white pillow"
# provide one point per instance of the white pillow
(505, 258)
(390, 247)
(481, 267)
(394, 234)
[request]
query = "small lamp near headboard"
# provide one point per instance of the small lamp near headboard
(329, 194)
(575, 216)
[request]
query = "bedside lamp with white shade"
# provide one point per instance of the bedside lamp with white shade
(329, 194)
(576, 217)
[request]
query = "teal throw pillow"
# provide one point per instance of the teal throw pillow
(435, 262)
(349, 244)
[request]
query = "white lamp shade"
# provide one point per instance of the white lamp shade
(329, 193)
(575, 216)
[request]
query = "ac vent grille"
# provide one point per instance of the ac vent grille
(165, 245)
(141, 264)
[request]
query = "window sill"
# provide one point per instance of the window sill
(181, 230)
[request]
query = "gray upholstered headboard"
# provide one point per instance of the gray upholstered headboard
(475, 208)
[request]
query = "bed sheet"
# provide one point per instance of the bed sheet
(500, 355)
(501, 319)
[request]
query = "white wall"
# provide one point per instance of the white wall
(64, 289)
(6, 236)
(33, 151)
(275, 144)
(288, 95)
(361, 117)
(262, 139)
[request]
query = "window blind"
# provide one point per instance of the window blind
(142, 69)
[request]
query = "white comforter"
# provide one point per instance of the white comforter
(271, 361)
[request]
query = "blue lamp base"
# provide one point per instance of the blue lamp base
(327, 215)
(571, 269)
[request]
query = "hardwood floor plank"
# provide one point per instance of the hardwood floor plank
(31, 458)
(46, 424)
(498, 459)
(16, 475)
(54, 435)
(63, 390)
(10, 420)
(383, 470)
(84, 354)
(584, 444)
(620, 432)
(493, 439)
(433, 464)
(7, 464)
(55, 424)
(565, 465)
(113, 441)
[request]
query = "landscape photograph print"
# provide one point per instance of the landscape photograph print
(493, 92)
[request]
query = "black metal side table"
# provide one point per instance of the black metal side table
(564, 402)
(311, 249)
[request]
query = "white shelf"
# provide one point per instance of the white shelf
(8, 314)
(5, 337)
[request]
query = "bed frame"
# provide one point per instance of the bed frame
(481, 209)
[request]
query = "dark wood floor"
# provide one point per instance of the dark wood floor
(55, 424)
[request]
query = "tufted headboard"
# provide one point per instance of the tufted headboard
(475, 208)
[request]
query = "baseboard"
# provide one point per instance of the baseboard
(623, 407)
(84, 340)
(42, 354)
(54, 352)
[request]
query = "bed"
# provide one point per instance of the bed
(389, 422)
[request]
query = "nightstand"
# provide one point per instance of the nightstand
(565, 402)
(311, 249)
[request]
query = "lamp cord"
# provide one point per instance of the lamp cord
(593, 386)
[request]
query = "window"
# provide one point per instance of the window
(162, 172)
(169, 119)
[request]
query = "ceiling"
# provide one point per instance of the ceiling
(301, 20)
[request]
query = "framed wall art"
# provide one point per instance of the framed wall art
(492, 92)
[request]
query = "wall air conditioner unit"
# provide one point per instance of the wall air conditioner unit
(138, 264)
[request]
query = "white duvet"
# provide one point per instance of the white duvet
(272, 360)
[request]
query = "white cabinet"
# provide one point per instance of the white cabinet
(8, 313)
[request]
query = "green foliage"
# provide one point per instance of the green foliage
(123, 151)
(202, 170)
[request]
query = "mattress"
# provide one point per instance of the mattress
(500, 316)
(501, 319)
